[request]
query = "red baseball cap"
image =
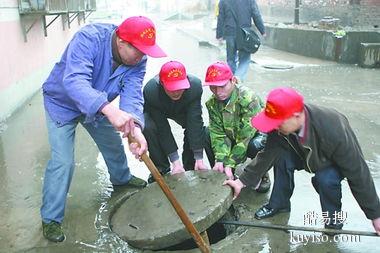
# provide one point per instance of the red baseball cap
(281, 104)
(173, 76)
(141, 33)
(218, 74)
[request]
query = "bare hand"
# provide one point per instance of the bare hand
(218, 167)
(177, 167)
(120, 120)
(228, 172)
(139, 145)
(236, 185)
(376, 225)
(199, 165)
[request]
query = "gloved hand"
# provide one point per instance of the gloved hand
(177, 167)
(228, 172)
(219, 167)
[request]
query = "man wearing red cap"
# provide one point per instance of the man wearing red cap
(174, 95)
(318, 140)
(101, 62)
(230, 110)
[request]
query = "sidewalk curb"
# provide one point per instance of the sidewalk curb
(201, 41)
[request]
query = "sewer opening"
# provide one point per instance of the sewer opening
(216, 232)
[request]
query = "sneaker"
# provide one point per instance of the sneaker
(264, 184)
(53, 231)
(137, 182)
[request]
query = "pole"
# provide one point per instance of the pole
(299, 228)
(297, 13)
(177, 207)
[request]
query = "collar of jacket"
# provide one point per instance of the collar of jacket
(233, 99)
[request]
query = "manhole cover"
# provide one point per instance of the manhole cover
(278, 66)
(147, 219)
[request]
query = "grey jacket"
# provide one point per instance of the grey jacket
(329, 141)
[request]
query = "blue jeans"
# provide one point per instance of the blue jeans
(326, 181)
(60, 168)
(237, 60)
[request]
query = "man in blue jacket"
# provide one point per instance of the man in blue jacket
(227, 25)
(101, 62)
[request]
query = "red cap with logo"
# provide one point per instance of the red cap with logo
(281, 104)
(141, 33)
(218, 74)
(173, 76)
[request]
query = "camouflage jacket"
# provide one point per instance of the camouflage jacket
(230, 125)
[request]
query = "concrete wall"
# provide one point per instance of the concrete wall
(350, 12)
(25, 65)
(320, 43)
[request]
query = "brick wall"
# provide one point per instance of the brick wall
(355, 13)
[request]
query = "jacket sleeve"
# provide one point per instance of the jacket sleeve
(131, 97)
(153, 106)
(348, 155)
(220, 20)
(256, 16)
(221, 144)
(78, 74)
(250, 106)
(194, 118)
(263, 161)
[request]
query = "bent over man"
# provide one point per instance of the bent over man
(316, 139)
(101, 62)
(175, 95)
(230, 110)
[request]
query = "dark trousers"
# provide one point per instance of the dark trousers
(157, 154)
(326, 181)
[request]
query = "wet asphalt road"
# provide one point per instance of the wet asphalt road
(24, 152)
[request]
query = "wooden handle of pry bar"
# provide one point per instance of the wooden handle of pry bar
(177, 207)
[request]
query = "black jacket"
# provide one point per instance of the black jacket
(329, 141)
(246, 10)
(187, 112)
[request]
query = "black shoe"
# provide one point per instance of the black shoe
(137, 182)
(151, 178)
(53, 231)
(264, 184)
(266, 211)
(333, 226)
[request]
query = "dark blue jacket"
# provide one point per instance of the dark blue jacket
(246, 10)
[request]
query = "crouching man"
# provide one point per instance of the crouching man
(318, 140)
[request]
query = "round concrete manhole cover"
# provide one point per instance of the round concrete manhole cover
(147, 220)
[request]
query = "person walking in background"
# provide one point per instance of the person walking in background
(316, 139)
(227, 26)
(230, 134)
(176, 95)
(101, 62)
